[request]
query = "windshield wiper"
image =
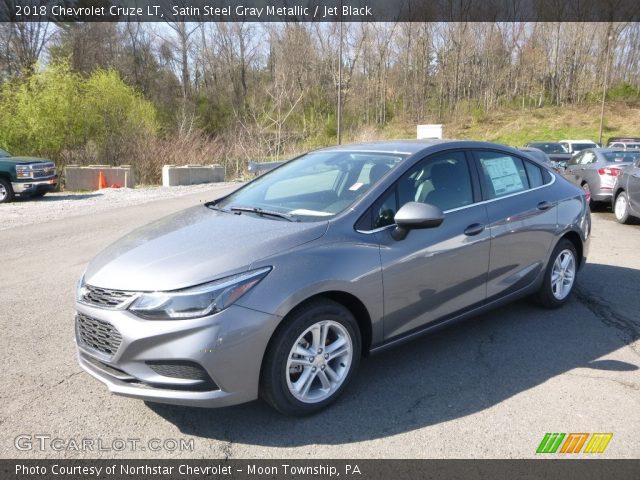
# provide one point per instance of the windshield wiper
(214, 206)
(263, 212)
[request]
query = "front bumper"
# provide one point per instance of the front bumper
(229, 346)
(34, 186)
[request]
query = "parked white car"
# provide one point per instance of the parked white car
(574, 146)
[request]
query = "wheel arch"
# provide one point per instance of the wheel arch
(575, 239)
(347, 300)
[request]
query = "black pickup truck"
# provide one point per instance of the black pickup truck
(25, 176)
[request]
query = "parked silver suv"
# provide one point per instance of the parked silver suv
(279, 288)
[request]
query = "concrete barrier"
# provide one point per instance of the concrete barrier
(86, 178)
(191, 174)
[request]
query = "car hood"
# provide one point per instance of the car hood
(23, 160)
(194, 246)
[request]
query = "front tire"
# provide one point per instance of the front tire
(560, 276)
(311, 358)
(6, 191)
(621, 208)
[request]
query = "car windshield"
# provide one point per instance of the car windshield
(621, 156)
(549, 147)
(4, 153)
(582, 146)
(315, 186)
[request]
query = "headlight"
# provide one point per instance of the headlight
(80, 290)
(23, 171)
(197, 301)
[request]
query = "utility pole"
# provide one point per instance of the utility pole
(339, 112)
(604, 88)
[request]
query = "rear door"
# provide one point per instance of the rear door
(522, 213)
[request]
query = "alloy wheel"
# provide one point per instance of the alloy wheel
(563, 274)
(319, 361)
(621, 206)
(3, 192)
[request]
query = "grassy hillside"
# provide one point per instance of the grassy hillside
(517, 126)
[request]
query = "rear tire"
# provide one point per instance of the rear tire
(6, 191)
(560, 276)
(311, 358)
(621, 208)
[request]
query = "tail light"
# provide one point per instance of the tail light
(614, 172)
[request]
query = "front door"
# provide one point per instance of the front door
(433, 273)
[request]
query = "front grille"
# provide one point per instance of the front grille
(49, 172)
(97, 334)
(104, 297)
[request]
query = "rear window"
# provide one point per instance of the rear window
(621, 156)
(582, 146)
(535, 175)
(549, 147)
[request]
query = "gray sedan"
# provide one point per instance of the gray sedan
(278, 289)
(596, 170)
(626, 193)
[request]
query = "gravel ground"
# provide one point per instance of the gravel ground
(54, 206)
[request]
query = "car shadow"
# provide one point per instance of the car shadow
(456, 372)
(57, 198)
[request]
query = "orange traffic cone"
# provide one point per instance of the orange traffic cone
(102, 182)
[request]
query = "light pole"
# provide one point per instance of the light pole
(604, 89)
(339, 112)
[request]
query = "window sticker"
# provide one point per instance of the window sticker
(504, 175)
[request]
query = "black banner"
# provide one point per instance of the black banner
(320, 10)
(320, 469)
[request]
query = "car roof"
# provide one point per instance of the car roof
(578, 141)
(546, 142)
(410, 146)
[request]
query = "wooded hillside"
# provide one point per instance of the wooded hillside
(230, 92)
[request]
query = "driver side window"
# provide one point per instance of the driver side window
(442, 180)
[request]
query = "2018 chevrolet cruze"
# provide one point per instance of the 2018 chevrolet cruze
(279, 288)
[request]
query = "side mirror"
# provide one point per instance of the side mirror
(415, 215)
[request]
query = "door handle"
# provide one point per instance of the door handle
(474, 229)
(544, 205)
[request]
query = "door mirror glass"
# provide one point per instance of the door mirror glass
(416, 215)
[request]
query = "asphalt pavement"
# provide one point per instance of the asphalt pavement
(487, 388)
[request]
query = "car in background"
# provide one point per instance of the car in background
(25, 176)
(627, 139)
(625, 145)
(336, 254)
(540, 157)
(556, 152)
(596, 171)
(574, 146)
(626, 194)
